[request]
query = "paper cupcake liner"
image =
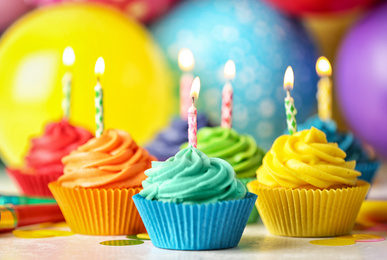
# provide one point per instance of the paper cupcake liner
(254, 216)
(33, 184)
(99, 211)
(195, 227)
(368, 170)
(309, 213)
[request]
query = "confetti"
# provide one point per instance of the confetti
(121, 242)
(143, 236)
(333, 242)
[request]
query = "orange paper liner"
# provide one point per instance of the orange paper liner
(33, 184)
(99, 211)
(309, 213)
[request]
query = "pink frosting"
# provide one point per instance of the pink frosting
(58, 140)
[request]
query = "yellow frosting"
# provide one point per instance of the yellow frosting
(306, 159)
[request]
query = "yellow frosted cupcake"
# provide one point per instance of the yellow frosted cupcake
(305, 187)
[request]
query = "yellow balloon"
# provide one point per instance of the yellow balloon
(137, 82)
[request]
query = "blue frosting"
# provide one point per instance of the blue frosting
(168, 141)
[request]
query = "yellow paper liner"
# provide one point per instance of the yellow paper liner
(99, 211)
(309, 213)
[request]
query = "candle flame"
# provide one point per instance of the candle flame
(288, 78)
(323, 67)
(68, 57)
(195, 89)
(186, 59)
(99, 68)
(229, 70)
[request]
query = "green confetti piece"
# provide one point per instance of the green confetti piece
(122, 242)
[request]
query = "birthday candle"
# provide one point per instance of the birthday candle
(289, 101)
(68, 59)
(227, 95)
(186, 63)
(192, 114)
(99, 70)
(324, 89)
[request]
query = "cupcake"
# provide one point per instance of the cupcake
(43, 160)
(100, 178)
(193, 202)
(168, 142)
(306, 188)
(240, 151)
(365, 163)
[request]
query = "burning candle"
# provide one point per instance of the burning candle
(192, 114)
(289, 101)
(68, 59)
(227, 95)
(186, 64)
(324, 89)
(99, 69)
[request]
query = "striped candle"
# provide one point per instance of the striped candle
(227, 95)
(68, 59)
(99, 70)
(192, 114)
(324, 89)
(289, 101)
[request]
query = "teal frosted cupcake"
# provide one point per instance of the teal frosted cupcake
(193, 202)
(241, 151)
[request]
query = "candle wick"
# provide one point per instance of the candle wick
(287, 93)
(193, 100)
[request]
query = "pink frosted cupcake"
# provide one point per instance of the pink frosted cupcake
(43, 160)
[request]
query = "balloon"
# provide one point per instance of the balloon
(137, 96)
(262, 44)
(143, 10)
(302, 7)
(362, 79)
(10, 10)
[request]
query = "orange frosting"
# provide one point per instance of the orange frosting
(112, 160)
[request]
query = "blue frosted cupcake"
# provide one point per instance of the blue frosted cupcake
(168, 141)
(193, 202)
(348, 143)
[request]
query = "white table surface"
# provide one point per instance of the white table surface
(256, 243)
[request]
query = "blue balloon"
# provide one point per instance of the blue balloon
(262, 43)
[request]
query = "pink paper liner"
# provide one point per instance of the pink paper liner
(33, 184)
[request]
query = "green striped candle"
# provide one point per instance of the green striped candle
(290, 109)
(68, 59)
(99, 70)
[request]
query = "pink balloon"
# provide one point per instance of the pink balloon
(10, 10)
(143, 10)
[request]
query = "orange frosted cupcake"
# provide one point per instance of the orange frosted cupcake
(306, 188)
(100, 178)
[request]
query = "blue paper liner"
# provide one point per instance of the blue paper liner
(195, 227)
(368, 170)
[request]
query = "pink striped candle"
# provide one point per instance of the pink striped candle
(227, 95)
(192, 114)
(186, 64)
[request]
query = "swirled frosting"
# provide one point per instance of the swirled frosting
(306, 159)
(58, 140)
(168, 142)
(345, 140)
(192, 177)
(112, 160)
(240, 151)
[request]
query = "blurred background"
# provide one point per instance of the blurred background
(140, 41)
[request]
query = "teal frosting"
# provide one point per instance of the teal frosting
(240, 151)
(192, 177)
